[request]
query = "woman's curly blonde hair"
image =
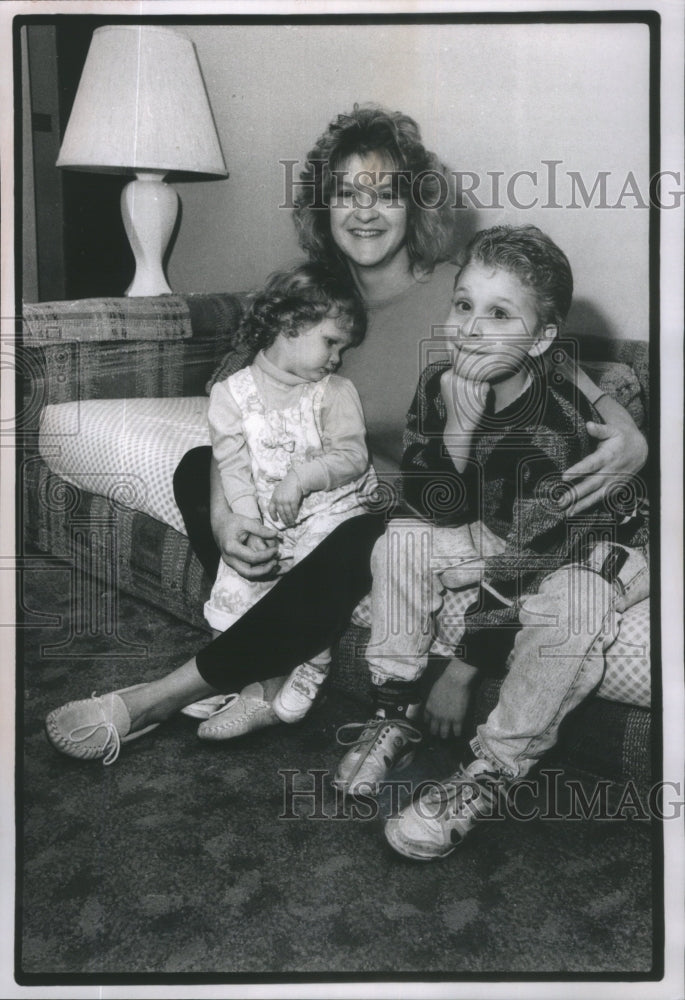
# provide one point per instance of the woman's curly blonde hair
(396, 138)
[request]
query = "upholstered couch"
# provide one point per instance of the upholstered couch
(120, 524)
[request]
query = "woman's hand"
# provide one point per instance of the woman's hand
(286, 499)
(247, 546)
(233, 532)
(622, 451)
(446, 705)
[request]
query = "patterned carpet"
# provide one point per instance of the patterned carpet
(174, 861)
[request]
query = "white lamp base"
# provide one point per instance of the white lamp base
(149, 208)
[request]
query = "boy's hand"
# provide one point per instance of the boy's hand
(464, 398)
(286, 499)
(465, 574)
(446, 705)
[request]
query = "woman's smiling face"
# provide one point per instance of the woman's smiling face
(368, 220)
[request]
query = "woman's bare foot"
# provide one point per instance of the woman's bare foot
(272, 685)
(159, 700)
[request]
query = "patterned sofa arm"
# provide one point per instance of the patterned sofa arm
(602, 359)
(123, 348)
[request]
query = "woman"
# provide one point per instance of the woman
(356, 211)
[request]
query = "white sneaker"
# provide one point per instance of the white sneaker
(299, 693)
(376, 749)
(447, 812)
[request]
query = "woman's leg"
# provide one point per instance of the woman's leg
(304, 613)
(191, 491)
(159, 700)
(301, 616)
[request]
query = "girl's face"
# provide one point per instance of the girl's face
(497, 327)
(368, 221)
(314, 353)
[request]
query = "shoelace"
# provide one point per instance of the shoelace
(463, 788)
(112, 752)
(370, 731)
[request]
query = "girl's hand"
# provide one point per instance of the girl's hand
(446, 705)
(286, 499)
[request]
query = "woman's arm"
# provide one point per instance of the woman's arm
(232, 532)
(622, 448)
(234, 511)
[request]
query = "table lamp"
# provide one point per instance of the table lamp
(142, 108)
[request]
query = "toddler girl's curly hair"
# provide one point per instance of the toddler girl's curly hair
(294, 300)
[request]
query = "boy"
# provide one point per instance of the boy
(488, 440)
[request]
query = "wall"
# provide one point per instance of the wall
(488, 98)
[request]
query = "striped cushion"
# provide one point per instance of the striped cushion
(159, 317)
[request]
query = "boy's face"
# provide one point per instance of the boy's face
(496, 324)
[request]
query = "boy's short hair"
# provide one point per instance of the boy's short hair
(536, 261)
(294, 300)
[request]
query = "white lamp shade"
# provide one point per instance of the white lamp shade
(141, 105)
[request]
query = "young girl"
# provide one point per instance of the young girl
(289, 440)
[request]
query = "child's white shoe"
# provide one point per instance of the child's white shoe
(447, 812)
(299, 692)
(376, 749)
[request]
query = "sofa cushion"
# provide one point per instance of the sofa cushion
(160, 317)
(620, 381)
(125, 449)
(627, 677)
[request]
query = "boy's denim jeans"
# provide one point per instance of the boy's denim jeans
(407, 594)
(557, 659)
(558, 654)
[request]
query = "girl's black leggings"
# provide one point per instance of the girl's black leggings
(303, 614)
